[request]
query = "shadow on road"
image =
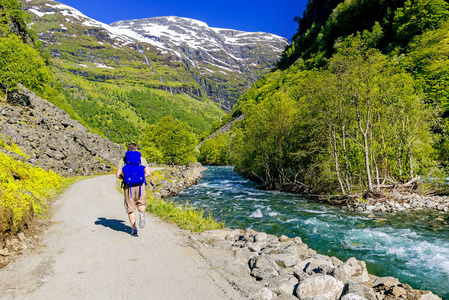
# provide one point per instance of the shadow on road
(117, 225)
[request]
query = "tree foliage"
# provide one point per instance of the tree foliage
(21, 63)
(400, 22)
(215, 151)
(170, 141)
(352, 125)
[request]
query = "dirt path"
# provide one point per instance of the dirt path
(88, 253)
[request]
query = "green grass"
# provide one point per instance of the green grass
(185, 215)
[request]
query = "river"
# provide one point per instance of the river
(412, 247)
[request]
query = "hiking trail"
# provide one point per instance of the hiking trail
(88, 252)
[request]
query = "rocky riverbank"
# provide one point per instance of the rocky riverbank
(171, 181)
(267, 267)
(401, 203)
(392, 201)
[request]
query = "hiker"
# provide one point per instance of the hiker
(133, 169)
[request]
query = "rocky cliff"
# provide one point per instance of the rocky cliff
(53, 141)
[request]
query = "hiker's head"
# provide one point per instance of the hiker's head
(132, 147)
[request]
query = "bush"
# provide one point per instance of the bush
(24, 192)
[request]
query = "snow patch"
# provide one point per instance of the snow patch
(39, 13)
(103, 66)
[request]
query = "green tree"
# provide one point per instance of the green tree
(417, 17)
(352, 125)
(172, 141)
(215, 151)
(21, 63)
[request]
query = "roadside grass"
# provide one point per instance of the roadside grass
(185, 215)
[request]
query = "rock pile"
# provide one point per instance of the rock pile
(52, 140)
(11, 246)
(174, 180)
(266, 267)
(402, 203)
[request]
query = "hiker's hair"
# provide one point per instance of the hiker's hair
(132, 147)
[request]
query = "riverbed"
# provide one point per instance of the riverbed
(413, 247)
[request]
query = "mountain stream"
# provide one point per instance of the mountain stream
(412, 247)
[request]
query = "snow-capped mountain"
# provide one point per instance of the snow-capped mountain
(210, 49)
(176, 54)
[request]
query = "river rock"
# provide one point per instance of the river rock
(285, 297)
(260, 237)
(316, 266)
(352, 296)
(285, 260)
(222, 245)
(170, 182)
(429, 296)
(386, 281)
(320, 286)
(281, 286)
(337, 262)
(264, 273)
(256, 247)
(284, 238)
(352, 269)
(249, 233)
(361, 290)
(301, 249)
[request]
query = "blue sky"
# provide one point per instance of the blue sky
(275, 16)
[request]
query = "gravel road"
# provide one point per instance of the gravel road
(88, 253)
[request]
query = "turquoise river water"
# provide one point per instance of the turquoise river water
(412, 247)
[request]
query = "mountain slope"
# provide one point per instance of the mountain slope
(172, 54)
(212, 55)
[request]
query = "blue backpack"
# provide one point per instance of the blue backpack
(133, 171)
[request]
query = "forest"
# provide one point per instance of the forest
(358, 102)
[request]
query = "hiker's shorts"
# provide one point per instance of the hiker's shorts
(137, 197)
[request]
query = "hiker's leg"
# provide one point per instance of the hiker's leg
(132, 219)
(130, 206)
(142, 199)
(141, 208)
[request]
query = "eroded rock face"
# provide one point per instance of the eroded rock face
(52, 140)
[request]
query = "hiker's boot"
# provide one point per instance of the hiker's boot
(141, 219)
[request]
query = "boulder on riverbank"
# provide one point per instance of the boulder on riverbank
(266, 267)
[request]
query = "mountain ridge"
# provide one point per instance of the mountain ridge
(223, 63)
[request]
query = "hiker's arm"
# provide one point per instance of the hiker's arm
(119, 174)
(147, 172)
